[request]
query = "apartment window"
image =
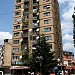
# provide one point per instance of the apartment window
(46, 7)
(47, 29)
(18, 6)
(46, 0)
(17, 57)
(16, 41)
(48, 37)
(15, 49)
(16, 34)
(17, 1)
(46, 14)
(47, 21)
(17, 20)
(17, 13)
(17, 27)
(50, 46)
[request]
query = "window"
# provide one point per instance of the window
(15, 57)
(50, 46)
(15, 49)
(17, 20)
(46, 7)
(16, 41)
(48, 37)
(18, 6)
(46, 14)
(47, 21)
(46, 0)
(17, 13)
(17, 1)
(17, 27)
(47, 29)
(16, 34)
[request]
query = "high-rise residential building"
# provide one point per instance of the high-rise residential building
(7, 52)
(34, 17)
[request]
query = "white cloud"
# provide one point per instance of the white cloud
(4, 35)
(68, 37)
(68, 47)
(63, 1)
(67, 10)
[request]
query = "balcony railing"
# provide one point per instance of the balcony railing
(26, 6)
(35, 4)
(34, 42)
(25, 34)
(26, 0)
(35, 25)
(25, 27)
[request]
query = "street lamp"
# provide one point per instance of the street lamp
(39, 59)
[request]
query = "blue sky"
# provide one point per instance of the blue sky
(66, 11)
(6, 20)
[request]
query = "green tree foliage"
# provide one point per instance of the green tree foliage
(42, 49)
(25, 56)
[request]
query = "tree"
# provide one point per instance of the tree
(25, 55)
(42, 49)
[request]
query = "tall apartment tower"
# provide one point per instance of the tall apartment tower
(34, 17)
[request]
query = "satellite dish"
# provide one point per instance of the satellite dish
(37, 29)
(37, 0)
(25, 48)
(30, 30)
(1, 57)
(37, 37)
(37, 13)
(18, 20)
(21, 40)
(38, 21)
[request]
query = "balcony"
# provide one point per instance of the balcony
(25, 27)
(26, 6)
(25, 34)
(35, 4)
(26, 0)
(34, 42)
(18, 1)
(35, 25)
(34, 10)
(25, 20)
(35, 18)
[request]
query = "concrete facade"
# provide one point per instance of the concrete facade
(7, 52)
(68, 58)
(34, 17)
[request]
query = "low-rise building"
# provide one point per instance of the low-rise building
(68, 57)
(7, 52)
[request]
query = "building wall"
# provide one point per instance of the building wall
(68, 57)
(7, 52)
(45, 14)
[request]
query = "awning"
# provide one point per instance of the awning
(19, 67)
